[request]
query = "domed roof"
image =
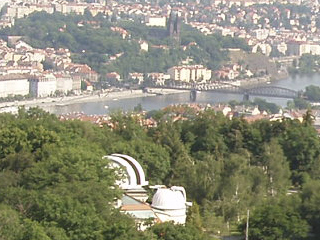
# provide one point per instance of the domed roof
(169, 199)
(134, 174)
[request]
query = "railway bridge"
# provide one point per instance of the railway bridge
(246, 91)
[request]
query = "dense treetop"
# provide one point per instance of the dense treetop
(54, 184)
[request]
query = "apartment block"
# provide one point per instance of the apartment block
(43, 85)
(13, 84)
(189, 73)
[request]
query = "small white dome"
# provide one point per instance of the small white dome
(168, 199)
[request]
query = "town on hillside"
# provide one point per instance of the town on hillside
(275, 37)
(206, 166)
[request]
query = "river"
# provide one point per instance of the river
(158, 102)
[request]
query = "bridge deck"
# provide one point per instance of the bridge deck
(267, 91)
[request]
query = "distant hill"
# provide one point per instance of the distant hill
(255, 62)
(92, 41)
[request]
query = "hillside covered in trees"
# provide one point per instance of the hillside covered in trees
(54, 184)
(92, 41)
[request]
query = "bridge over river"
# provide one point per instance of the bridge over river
(246, 91)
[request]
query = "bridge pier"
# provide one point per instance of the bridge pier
(246, 96)
(193, 95)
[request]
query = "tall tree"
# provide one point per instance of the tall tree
(276, 168)
(276, 221)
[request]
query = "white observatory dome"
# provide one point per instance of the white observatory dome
(169, 199)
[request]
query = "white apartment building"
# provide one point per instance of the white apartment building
(314, 49)
(64, 82)
(159, 78)
(17, 11)
(300, 48)
(189, 73)
(43, 85)
(245, 3)
(76, 83)
(261, 34)
(18, 70)
(13, 84)
(156, 21)
(77, 8)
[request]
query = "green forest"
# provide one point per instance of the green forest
(54, 184)
(92, 42)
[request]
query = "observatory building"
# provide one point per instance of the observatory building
(168, 204)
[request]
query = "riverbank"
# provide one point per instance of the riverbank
(84, 98)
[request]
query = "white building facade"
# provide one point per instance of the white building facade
(189, 73)
(64, 83)
(13, 84)
(43, 85)
(156, 21)
(300, 48)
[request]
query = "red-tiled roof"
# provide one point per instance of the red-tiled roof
(135, 207)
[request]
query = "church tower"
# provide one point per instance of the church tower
(174, 27)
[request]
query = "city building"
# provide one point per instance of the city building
(113, 76)
(189, 73)
(76, 83)
(299, 48)
(14, 84)
(158, 78)
(156, 21)
(43, 85)
(138, 77)
(64, 82)
(83, 71)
